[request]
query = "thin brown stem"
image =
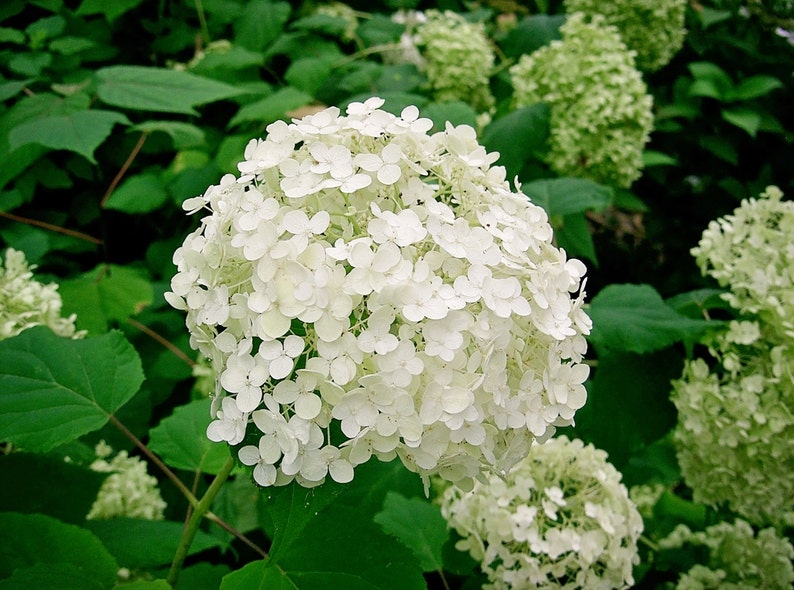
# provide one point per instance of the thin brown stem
(157, 337)
(233, 531)
(56, 228)
(123, 170)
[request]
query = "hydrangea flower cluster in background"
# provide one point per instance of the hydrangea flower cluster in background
(25, 302)
(654, 29)
(456, 55)
(561, 519)
(601, 114)
(735, 426)
(364, 273)
(128, 491)
(737, 558)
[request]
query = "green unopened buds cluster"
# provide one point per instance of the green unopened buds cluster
(561, 519)
(601, 114)
(25, 302)
(366, 289)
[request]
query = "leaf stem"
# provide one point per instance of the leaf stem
(157, 337)
(56, 228)
(200, 510)
(123, 170)
(205, 32)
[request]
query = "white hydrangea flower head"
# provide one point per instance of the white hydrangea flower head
(751, 252)
(738, 558)
(456, 55)
(561, 519)
(735, 424)
(128, 491)
(652, 28)
(367, 289)
(25, 302)
(601, 112)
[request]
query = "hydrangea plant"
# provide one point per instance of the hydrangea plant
(367, 289)
(737, 558)
(25, 302)
(601, 115)
(561, 519)
(736, 423)
(128, 491)
(652, 28)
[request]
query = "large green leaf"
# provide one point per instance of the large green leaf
(111, 10)
(184, 135)
(79, 131)
(63, 576)
(272, 107)
(518, 136)
(563, 196)
(138, 543)
(261, 22)
(635, 318)
(532, 33)
(27, 486)
(142, 193)
(30, 540)
(753, 87)
(159, 89)
(54, 390)
(419, 525)
(181, 440)
(108, 294)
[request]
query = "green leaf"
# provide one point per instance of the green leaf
(159, 89)
(28, 486)
(309, 74)
(628, 403)
(150, 585)
(654, 158)
(634, 318)
(418, 525)
(563, 196)
(695, 304)
(54, 390)
(142, 193)
(518, 136)
(743, 118)
(272, 107)
(63, 576)
(138, 543)
(399, 78)
(628, 201)
(202, 576)
(37, 540)
(12, 88)
(184, 135)
(71, 45)
(81, 131)
(111, 10)
(573, 235)
(754, 87)
(455, 112)
(710, 16)
(261, 22)
(719, 147)
(181, 440)
(710, 80)
(105, 295)
(14, 36)
(532, 33)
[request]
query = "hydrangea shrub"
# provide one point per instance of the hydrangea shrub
(654, 29)
(561, 519)
(736, 421)
(366, 289)
(737, 557)
(601, 114)
(25, 302)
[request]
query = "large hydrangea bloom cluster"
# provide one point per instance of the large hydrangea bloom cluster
(128, 491)
(737, 558)
(652, 28)
(561, 519)
(600, 109)
(365, 288)
(456, 55)
(25, 302)
(736, 423)
(751, 252)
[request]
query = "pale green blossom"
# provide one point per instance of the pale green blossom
(601, 115)
(25, 302)
(751, 252)
(561, 519)
(652, 28)
(738, 558)
(366, 289)
(128, 491)
(645, 497)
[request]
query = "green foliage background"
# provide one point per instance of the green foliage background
(113, 113)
